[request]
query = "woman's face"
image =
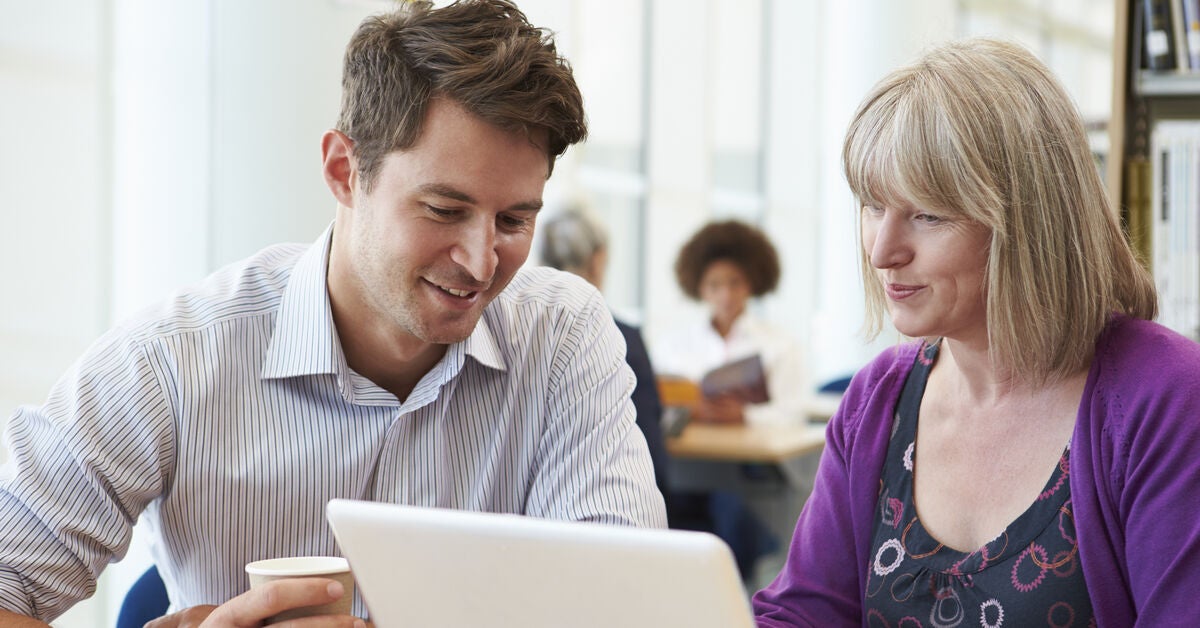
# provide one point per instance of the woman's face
(726, 290)
(932, 268)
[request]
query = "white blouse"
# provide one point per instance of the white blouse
(693, 350)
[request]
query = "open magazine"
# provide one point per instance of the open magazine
(744, 379)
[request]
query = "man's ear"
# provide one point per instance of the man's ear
(339, 167)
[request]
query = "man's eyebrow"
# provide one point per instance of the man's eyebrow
(446, 191)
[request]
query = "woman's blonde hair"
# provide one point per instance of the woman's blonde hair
(981, 129)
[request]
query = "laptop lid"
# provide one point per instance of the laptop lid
(436, 567)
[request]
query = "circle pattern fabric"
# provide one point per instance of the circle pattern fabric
(1027, 576)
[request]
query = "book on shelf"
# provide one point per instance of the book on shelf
(1178, 35)
(1136, 211)
(1158, 41)
(1191, 32)
(1175, 223)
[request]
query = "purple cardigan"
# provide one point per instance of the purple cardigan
(1135, 485)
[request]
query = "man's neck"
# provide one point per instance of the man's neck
(392, 368)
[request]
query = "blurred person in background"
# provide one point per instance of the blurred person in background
(724, 265)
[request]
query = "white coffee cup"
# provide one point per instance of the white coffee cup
(332, 567)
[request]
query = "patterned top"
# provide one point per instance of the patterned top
(1027, 576)
(229, 417)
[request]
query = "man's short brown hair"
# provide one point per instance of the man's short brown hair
(482, 54)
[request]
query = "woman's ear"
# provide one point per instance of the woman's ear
(339, 167)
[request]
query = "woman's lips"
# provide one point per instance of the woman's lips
(899, 291)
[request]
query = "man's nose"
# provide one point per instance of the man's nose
(476, 251)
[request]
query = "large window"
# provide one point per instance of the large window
(610, 62)
(738, 65)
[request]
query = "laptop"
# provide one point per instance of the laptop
(451, 568)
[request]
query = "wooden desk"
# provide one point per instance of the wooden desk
(772, 444)
(771, 467)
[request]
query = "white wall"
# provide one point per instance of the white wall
(220, 107)
(53, 220)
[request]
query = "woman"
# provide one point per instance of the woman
(1033, 458)
(724, 265)
(571, 241)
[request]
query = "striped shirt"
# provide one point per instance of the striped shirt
(228, 417)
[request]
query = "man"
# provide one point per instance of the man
(403, 357)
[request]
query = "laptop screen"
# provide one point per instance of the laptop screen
(436, 567)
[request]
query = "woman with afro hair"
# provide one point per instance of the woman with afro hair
(724, 265)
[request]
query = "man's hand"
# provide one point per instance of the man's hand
(251, 608)
(12, 620)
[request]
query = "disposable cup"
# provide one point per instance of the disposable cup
(332, 567)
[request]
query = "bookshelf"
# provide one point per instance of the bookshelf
(1153, 173)
(1141, 97)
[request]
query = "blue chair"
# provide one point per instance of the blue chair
(838, 385)
(146, 600)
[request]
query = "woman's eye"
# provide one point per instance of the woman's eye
(928, 218)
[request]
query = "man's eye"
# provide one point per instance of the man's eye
(514, 222)
(439, 211)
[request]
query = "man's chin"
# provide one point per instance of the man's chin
(449, 333)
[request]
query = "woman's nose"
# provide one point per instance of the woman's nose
(887, 242)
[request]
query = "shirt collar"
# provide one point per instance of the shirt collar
(305, 340)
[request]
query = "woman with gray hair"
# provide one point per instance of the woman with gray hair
(574, 242)
(1032, 457)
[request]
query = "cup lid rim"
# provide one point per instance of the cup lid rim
(287, 566)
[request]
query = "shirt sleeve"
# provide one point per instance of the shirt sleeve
(593, 463)
(82, 468)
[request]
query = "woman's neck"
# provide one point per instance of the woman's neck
(724, 325)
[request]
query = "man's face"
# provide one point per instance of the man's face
(443, 230)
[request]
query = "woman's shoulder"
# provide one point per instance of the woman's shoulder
(894, 361)
(770, 339)
(1143, 379)
(749, 323)
(1135, 353)
(874, 389)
